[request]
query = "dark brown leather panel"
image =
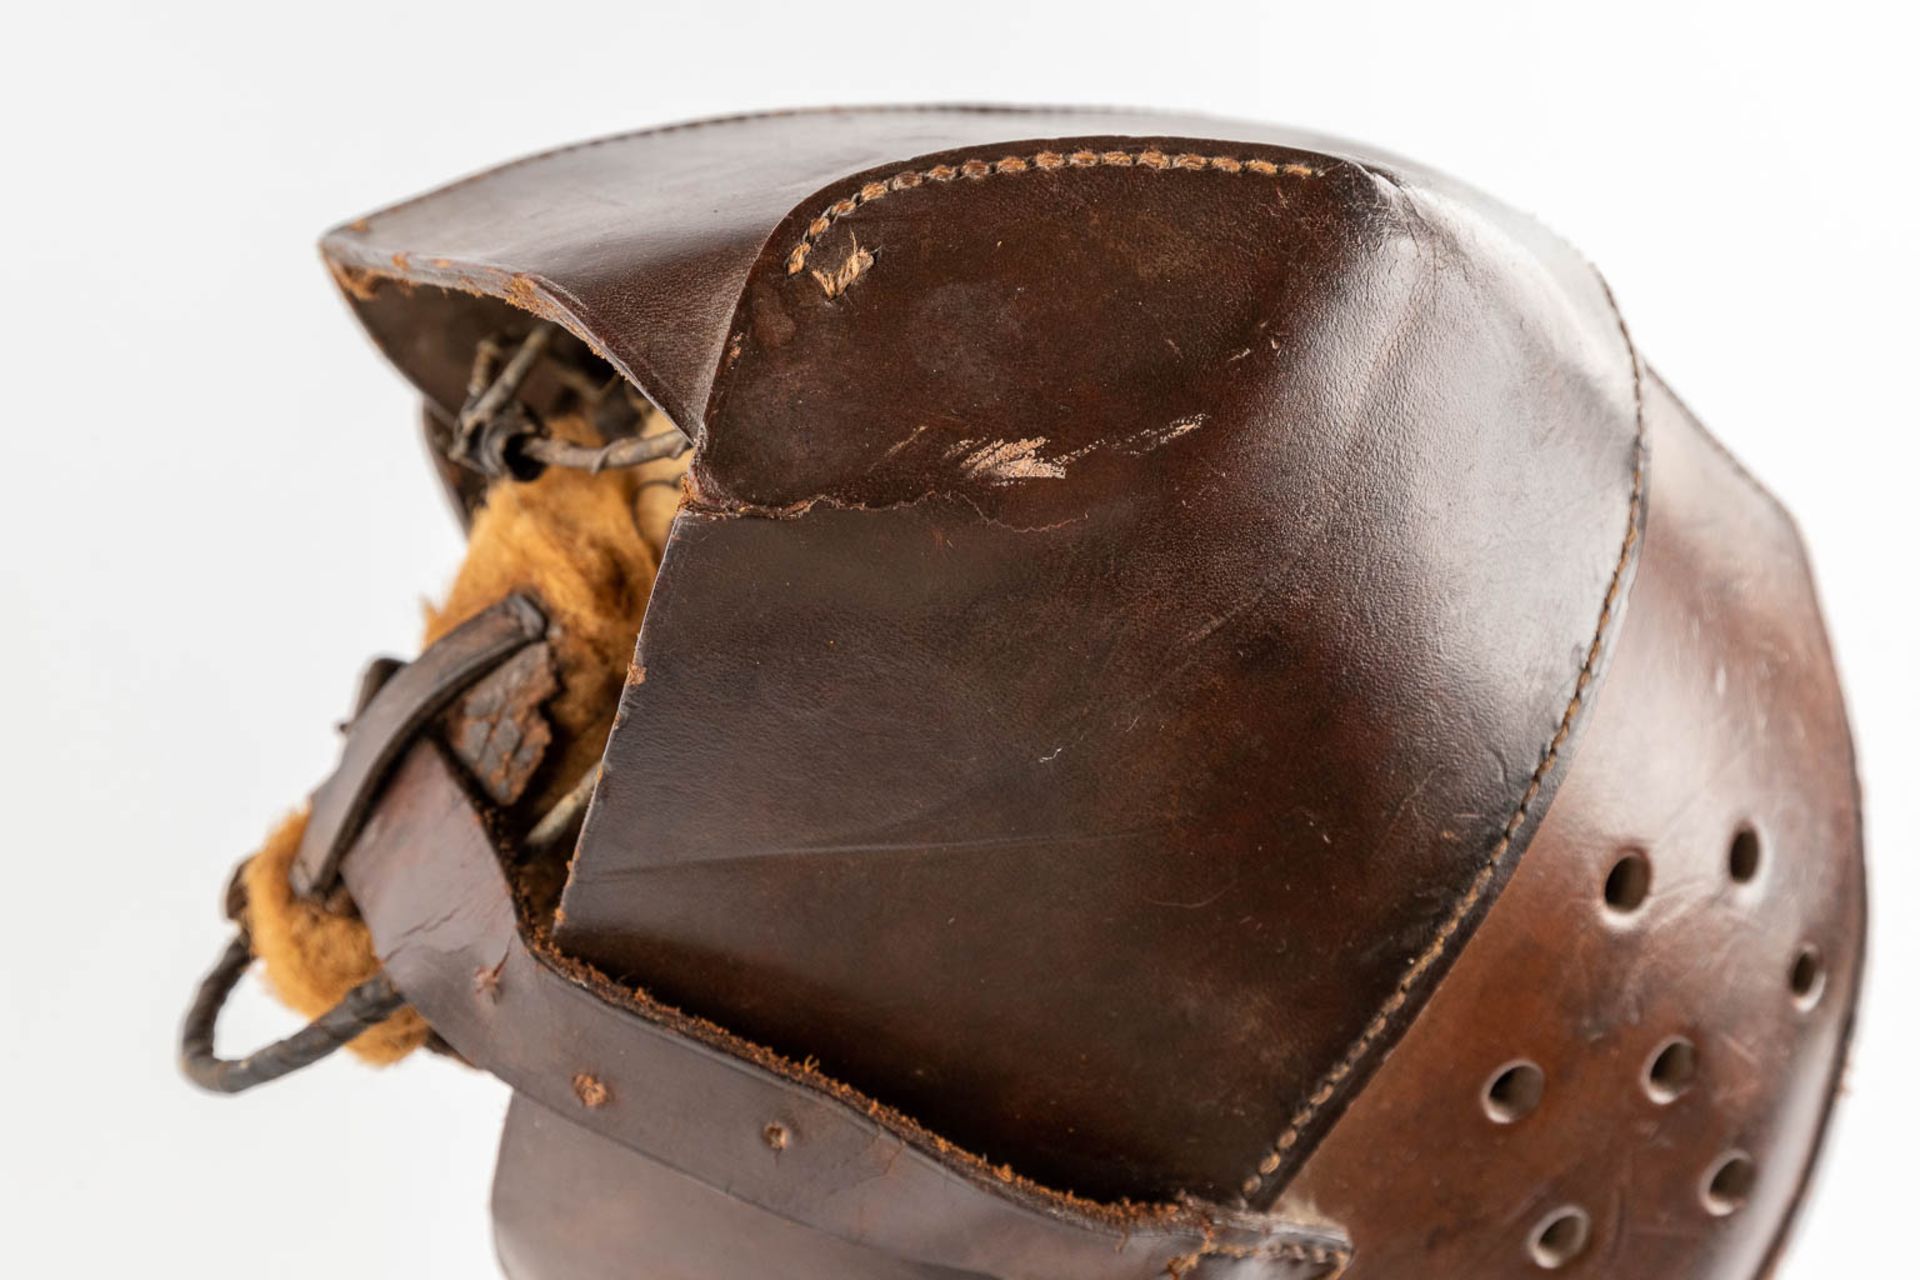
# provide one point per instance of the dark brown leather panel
(1721, 715)
(569, 1204)
(641, 243)
(775, 1136)
(1128, 622)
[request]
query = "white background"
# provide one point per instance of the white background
(214, 510)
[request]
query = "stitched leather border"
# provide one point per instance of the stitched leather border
(1150, 158)
(1475, 892)
(1261, 1183)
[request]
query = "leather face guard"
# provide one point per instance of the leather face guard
(1196, 661)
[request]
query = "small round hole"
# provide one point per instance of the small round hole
(1729, 1184)
(1807, 979)
(1671, 1070)
(1514, 1092)
(1743, 856)
(1560, 1238)
(1628, 882)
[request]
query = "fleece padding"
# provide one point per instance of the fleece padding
(584, 546)
(313, 955)
(573, 542)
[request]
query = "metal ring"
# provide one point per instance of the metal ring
(367, 1005)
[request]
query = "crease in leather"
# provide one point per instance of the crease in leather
(1488, 881)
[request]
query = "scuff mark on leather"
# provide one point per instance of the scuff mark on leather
(357, 283)
(734, 509)
(1004, 462)
(836, 282)
(1008, 461)
(1145, 442)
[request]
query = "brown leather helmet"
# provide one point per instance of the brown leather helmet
(1203, 713)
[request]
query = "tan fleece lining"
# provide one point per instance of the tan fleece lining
(586, 547)
(312, 955)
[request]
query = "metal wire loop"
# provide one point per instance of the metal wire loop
(366, 1006)
(497, 434)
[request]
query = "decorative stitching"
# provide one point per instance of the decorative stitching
(1482, 881)
(1045, 161)
(363, 223)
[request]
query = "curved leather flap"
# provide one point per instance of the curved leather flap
(429, 883)
(640, 244)
(1136, 599)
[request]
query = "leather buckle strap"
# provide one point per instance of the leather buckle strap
(390, 719)
(395, 702)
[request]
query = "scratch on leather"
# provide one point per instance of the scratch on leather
(1005, 461)
(1332, 1257)
(1147, 441)
(734, 509)
(1151, 159)
(1002, 462)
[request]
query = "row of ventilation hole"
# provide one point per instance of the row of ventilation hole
(1516, 1089)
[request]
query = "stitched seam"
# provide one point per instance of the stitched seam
(1483, 880)
(1155, 159)
(1044, 161)
(746, 117)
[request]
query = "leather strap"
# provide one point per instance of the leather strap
(391, 718)
(430, 884)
